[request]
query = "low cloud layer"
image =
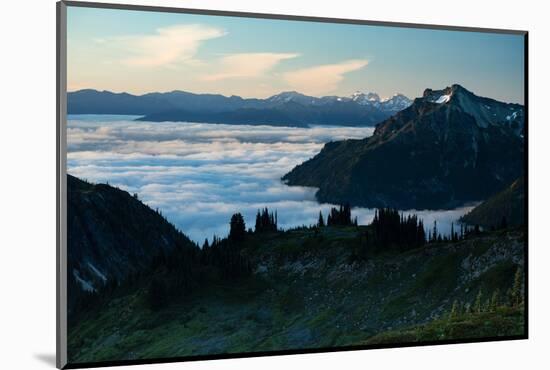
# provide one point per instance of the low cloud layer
(198, 175)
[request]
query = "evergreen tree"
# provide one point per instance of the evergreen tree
(478, 306)
(265, 221)
(340, 216)
(495, 300)
(487, 305)
(237, 228)
(455, 310)
(517, 294)
(258, 225)
(321, 222)
(434, 233)
(454, 234)
(392, 230)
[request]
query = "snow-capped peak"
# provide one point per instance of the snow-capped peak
(363, 98)
(396, 102)
(294, 96)
(438, 96)
(285, 96)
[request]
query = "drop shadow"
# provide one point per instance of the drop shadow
(47, 358)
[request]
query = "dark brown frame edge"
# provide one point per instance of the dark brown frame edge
(61, 349)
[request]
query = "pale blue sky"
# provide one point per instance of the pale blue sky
(139, 52)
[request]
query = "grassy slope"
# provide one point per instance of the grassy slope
(307, 292)
(505, 321)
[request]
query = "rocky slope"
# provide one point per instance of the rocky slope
(448, 148)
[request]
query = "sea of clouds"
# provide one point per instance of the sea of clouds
(199, 174)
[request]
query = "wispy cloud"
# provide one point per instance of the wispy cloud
(322, 79)
(168, 46)
(247, 65)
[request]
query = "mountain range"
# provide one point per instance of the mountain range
(446, 149)
(285, 109)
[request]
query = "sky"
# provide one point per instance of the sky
(140, 52)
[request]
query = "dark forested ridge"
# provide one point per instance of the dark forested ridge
(507, 208)
(111, 235)
(449, 147)
(113, 238)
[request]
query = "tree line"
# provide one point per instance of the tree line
(391, 230)
(265, 221)
(179, 272)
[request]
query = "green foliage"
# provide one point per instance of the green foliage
(505, 321)
(495, 300)
(455, 310)
(478, 305)
(517, 289)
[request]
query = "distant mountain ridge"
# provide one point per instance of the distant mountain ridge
(448, 148)
(287, 108)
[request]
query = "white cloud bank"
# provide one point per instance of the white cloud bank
(200, 174)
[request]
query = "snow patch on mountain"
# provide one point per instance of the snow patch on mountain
(392, 104)
(395, 103)
(87, 286)
(97, 272)
(443, 99)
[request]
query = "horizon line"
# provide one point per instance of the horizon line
(382, 99)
